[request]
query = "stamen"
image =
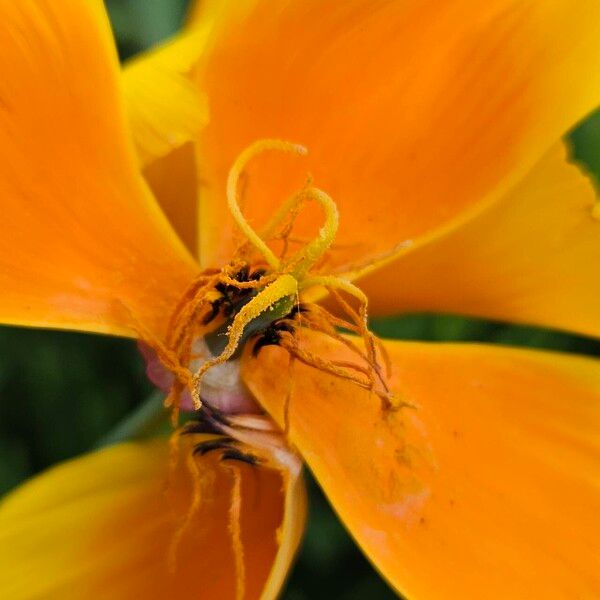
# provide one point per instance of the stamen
(248, 285)
(331, 281)
(184, 321)
(313, 360)
(195, 289)
(372, 343)
(196, 477)
(361, 268)
(289, 210)
(290, 207)
(235, 529)
(227, 307)
(283, 287)
(233, 191)
(326, 323)
(288, 397)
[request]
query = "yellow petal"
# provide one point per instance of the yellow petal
(166, 112)
(164, 106)
(83, 244)
(109, 525)
(533, 256)
(488, 488)
(412, 111)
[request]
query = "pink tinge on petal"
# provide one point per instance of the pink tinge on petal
(161, 377)
(222, 387)
(230, 402)
(186, 404)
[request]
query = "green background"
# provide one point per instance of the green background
(60, 392)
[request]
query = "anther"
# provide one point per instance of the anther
(203, 448)
(234, 454)
(283, 287)
(203, 426)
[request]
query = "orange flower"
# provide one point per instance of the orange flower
(434, 129)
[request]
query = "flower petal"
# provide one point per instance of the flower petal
(532, 257)
(164, 106)
(166, 111)
(110, 525)
(412, 111)
(487, 488)
(174, 183)
(83, 244)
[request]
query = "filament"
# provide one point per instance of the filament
(235, 529)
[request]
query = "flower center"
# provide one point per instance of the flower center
(259, 299)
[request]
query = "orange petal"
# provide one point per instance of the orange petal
(83, 244)
(412, 111)
(109, 525)
(174, 183)
(532, 256)
(488, 488)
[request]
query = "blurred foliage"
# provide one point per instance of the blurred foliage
(60, 392)
(139, 24)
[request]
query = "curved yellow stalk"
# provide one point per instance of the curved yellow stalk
(233, 191)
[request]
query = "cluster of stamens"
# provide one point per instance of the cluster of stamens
(258, 298)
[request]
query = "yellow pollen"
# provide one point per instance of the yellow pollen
(284, 286)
